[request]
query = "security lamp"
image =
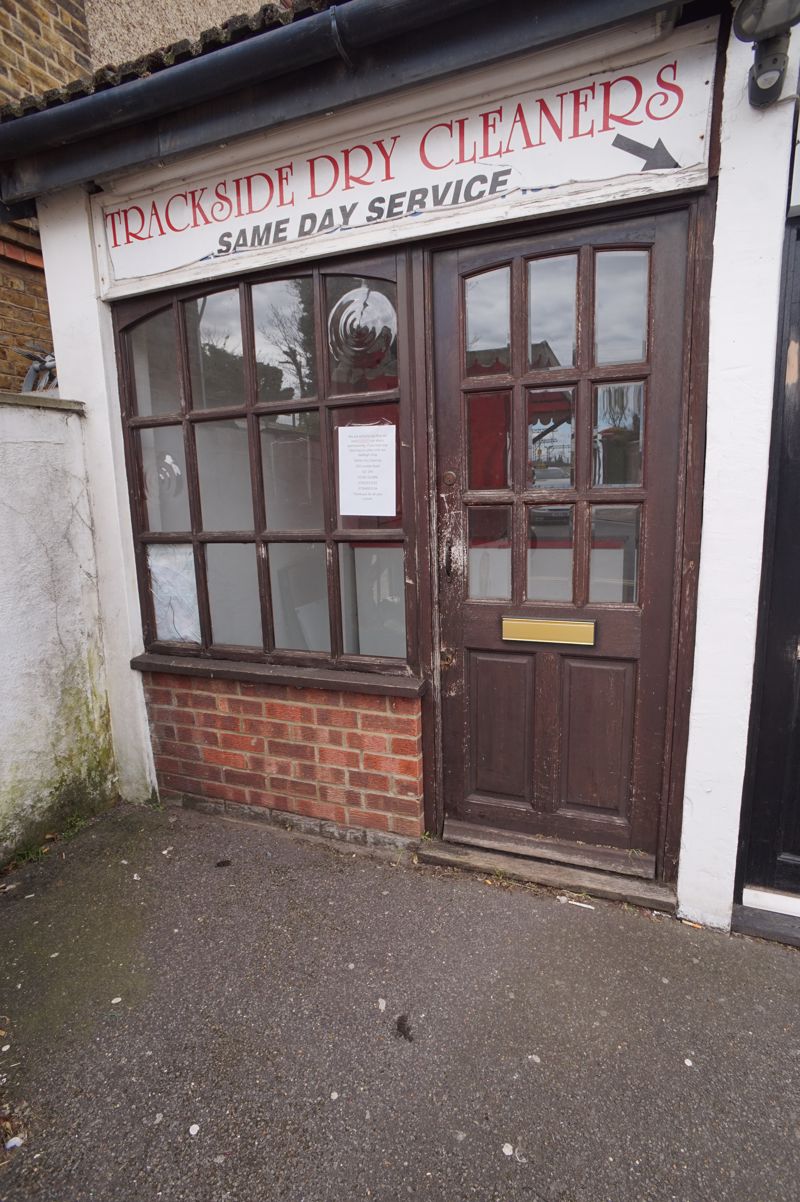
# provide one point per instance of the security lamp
(766, 23)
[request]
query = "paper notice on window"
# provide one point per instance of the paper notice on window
(367, 475)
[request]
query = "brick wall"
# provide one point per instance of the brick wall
(348, 758)
(41, 46)
(24, 316)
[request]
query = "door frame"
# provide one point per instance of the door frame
(701, 211)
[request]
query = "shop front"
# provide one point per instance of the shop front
(404, 506)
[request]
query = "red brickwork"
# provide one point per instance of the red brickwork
(348, 758)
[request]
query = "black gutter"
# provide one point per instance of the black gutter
(340, 32)
(301, 44)
(484, 34)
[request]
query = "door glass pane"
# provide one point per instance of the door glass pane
(223, 469)
(620, 306)
(550, 548)
(489, 422)
(617, 450)
(614, 562)
(291, 459)
(299, 586)
(283, 324)
(552, 299)
(489, 569)
(164, 470)
(373, 599)
(551, 438)
(374, 481)
(362, 334)
(488, 333)
(155, 365)
(174, 588)
(214, 341)
(233, 594)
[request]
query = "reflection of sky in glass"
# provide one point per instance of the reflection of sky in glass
(220, 323)
(621, 306)
(280, 337)
(552, 285)
(489, 311)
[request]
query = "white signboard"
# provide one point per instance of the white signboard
(367, 476)
(502, 158)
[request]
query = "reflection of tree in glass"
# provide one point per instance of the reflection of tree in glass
(288, 331)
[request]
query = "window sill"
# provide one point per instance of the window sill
(385, 684)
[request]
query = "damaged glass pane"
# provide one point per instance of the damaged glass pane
(214, 343)
(174, 589)
(283, 323)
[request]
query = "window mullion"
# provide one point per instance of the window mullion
(193, 486)
(328, 450)
(256, 465)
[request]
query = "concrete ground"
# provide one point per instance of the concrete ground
(303, 1023)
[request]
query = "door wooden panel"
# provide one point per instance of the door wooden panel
(500, 705)
(597, 725)
(559, 408)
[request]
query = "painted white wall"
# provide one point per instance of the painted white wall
(53, 713)
(84, 348)
(745, 295)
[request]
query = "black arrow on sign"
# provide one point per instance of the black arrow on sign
(655, 157)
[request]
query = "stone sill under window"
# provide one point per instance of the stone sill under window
(385, 684)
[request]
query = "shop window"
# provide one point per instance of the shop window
(264, 426)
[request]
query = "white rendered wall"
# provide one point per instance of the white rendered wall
(84, 349)
(55, 754)
(745, 297)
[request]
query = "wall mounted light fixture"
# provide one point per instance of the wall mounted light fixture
(766, 23)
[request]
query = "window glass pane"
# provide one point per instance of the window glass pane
(164, 470)
(489, 422)
(223, 470)
(489, 571)
(617, 451)
(283, 323)
(155, 365)
(362, 334)
(552, 292)
(620, 306)
(614, 562)
(214, 340)
(299, 585)
(373, 599)
(233, 595)
(550, 553)
(375, 416)
(488, 333)
(291, 459)
(551, 438)
(174, 589)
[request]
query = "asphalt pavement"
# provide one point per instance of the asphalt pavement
(200, 1010)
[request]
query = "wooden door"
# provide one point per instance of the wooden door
(772, 836)
(558, 393)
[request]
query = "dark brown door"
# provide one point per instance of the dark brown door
(558, 392)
